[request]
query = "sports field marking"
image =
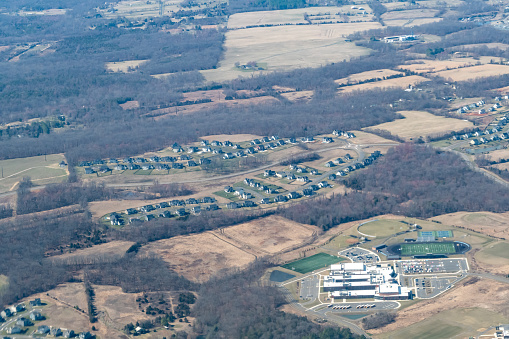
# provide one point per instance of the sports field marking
(427, 248)
(319, 260)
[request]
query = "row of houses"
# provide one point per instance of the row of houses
(488, 139)
(62, 332)
(338, 161)
(116, 219)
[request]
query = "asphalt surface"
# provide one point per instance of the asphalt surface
(357, 254)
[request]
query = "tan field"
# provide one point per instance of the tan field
(140, 8)
(420, 123)
(493, 224)
(474, 72)
(294, 16)
(188, 109)
(409, 14)
(130, 104)
(504, 166)
(272, 234)
(369, 75)
(287, 47)
(499, 154)
(298, 96)
(103, 252)
(119, 307)
(200, 256)
(427, 66)
(365, 138)
(403, 82)
(124, 66)
(484, 294)
(410, 22)
(214, 95)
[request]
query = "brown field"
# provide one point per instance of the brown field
(302, 96)
(365, 138)
(200, 256)
(214, 95)
(130, 104)
(103, 252)
(427, 66)
(409, 14)
(403, 82)
(410, 22)
(474, 72)
(119, 307)
(497, 45)
(272, 234)
(358, 77)
(123, 66)
(290, 16)
(420, 123)
(504, 166)
(287, 47)
(499, 154)
(493, 224)
(484, 294)
(170, 111)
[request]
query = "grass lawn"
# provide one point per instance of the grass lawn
(426, 248)
(383, 228)
(230, 196)
(319, 260)
(41, 169)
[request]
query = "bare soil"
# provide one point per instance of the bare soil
(200, 256)
(272, 234)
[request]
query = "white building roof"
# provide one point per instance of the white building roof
(354, 266)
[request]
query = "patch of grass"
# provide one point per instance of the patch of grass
(230, 196)
(498, 250)
(319, 260)
(354, 316)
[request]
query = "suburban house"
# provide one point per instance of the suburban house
(180, 212)
(191, 201)
(68, 333)
(163, 204)
(228, 189)
(329, 164)
(228, 156)
(89, 170)
(212, 207)
(307, 191)
(323, 184)
(22, 322)
(148, 217)
(62, 164)
(265, 201)
(232, 205)
(249, 203)
(55, 331)
(165, 214)
(85, 335)
(196, 210)
(130, 211)
(280, 198)
(268, 173)
(43, 329)
(14, 330)
(303, 179)
(208, 200)
(35, 302)
(293, 195)
(6, 313)
(204, 142)
(246, 195)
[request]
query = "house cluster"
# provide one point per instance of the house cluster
(116, 218)
(339, 133)
(367, 161)
(479, 106)
(361, 280)
(338, 161)
(181, 161)
(492, 133)
(62, 332)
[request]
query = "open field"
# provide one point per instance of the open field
(298, 95)
(363, 138)
(403, 82)
(449, 324)
(499, 154)
(485, 298)
(41, 171)
(110, 251)
(293, 16)
(427, 66)
(197, 257)
(410, 22)
(287, 47)
(474, 72)
(494, 258)
(314, 262)
(383, 227)
(427, 248)
(490, 45)
(120, 307)
(409, 14)
(140, 8)
(420, 123)
(493, 224)
(124, 66)
(368, 75)
(272, 234)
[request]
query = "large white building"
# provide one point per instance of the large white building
(359, 280)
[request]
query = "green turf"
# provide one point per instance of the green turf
(353, 316)
(319, 260)
(427, 248)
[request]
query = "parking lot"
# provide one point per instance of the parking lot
(431, 266)
(309, 287)
(357, 254)
(359, 307)
(430, 287)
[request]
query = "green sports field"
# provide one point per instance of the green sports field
(427, 248)
(314, 262)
